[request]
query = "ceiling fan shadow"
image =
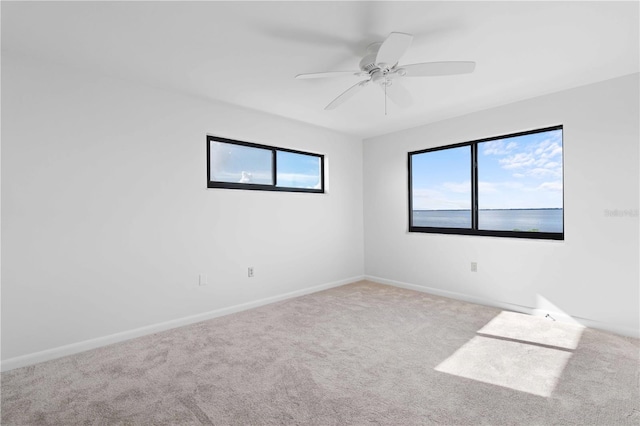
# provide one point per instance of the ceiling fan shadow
(309, 37)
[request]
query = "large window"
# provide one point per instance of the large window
(243, 165)
(505, 186)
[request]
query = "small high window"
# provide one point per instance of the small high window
(504, 186)
(242, 165)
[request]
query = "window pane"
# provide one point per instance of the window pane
(520, 183)
(240, 164)
(298, 170)
(441, 188)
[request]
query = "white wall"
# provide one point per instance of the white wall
(107, 221)
(591, 275)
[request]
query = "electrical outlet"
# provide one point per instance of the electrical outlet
(250, 271)
(202, 280)
(474, 266)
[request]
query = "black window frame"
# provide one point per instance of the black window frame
(274, 168)
(474, 193)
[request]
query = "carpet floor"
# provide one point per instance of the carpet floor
(358, 354)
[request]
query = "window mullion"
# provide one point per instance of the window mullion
(274, 165)
(474, 186)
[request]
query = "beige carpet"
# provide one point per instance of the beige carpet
(354, 355)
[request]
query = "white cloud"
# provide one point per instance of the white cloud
(538, 161)
(299, 180)
(550, 186)
(485, 187)
(513, 185)
(433, 199)
(495, 187)
(557, 150)
(241, 177)
(542, 146)
(550, 151)
(540, 172)
(461, 188)
(498, 147)
(517, 161)
(297, 177)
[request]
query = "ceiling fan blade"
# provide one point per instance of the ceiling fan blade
(427, 69)
(393, 48)
(327, 74)
(347, 94)
(398, 94)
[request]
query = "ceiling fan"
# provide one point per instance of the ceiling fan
(380, 66)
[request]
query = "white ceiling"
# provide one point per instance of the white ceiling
(247, 53)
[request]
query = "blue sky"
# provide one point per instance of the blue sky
(519, 172)
(299, 171)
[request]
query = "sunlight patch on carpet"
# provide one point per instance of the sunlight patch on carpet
(516, 351)
(527, 328)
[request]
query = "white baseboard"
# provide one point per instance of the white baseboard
(558, 316)
(58, 352)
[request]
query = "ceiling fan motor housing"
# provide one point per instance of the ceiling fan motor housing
(380, 73)
(368, 63)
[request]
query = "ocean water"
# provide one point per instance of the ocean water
(540, 220)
